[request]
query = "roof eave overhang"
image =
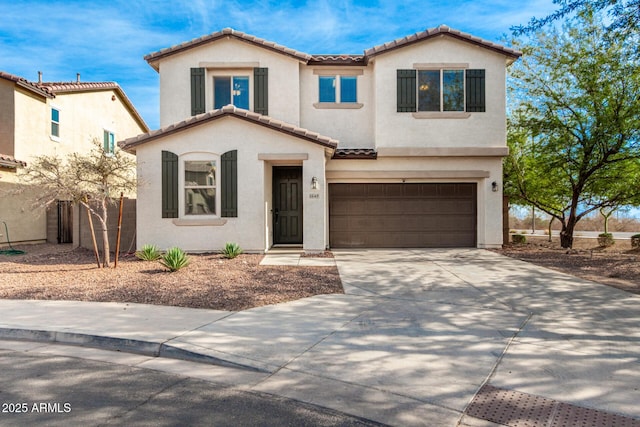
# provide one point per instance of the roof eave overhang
(153, 59)
(130, 147)
(511, 54)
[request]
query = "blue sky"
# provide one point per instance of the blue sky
(106, 40)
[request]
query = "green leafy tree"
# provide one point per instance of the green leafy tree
(93, 181)
(574, 127)
(624, 14)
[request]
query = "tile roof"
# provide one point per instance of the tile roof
(230, 111)
(330, 59)
(355, 153)
(64, 87)
(50, 89)
(229, 33)
(31, 86)
(8, 161)
(337, 60)
(441, 30)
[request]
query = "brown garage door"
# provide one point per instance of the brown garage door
(402, 215)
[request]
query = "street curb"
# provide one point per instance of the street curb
(146, 348)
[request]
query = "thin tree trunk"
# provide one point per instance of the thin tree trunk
(93, 234)
(115, 261)
(105, 235)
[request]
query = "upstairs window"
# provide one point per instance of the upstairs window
(333, 88)
(443, 90)
(109, 142)
(327, 88)
(55, 122)
(231, 90)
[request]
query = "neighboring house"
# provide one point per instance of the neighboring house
(41, 118)
(399, 147)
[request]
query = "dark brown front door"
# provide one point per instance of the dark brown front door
(287, 205)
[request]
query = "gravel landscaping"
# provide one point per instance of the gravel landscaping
(211, 281)
(58, 272)
(617, 265)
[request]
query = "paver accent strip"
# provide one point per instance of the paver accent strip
(516, 409)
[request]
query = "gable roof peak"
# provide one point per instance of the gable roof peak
(154, 57)
(439, 31)
(130, 144)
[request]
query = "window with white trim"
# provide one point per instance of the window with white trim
(343, 89)
(55, 122)
(441, 90)
(200, 185)
(109, 142)
(231, 90)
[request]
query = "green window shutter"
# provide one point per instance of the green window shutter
(229, 184)
(169, 185)
(261, 90)
(406, 91)
(105, 144)
(475, 80)
(197, 91)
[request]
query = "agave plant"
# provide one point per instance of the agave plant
(231, 250)
(149, 253)
(174, 259)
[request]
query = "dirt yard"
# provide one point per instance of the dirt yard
(617, 266)
(211, 281)
(56, 272)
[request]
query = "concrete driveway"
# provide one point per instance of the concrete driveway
(418, 338)
(464, 318)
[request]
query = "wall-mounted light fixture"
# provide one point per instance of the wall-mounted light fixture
(314, 183)
(494, 186)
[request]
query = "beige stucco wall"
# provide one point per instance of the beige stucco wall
(252, 228)
(228, 57)
(7, 115)
(84, 116)
(31, 126)
(25, 222)
(393, 129)
(480, 170)
(353, 127)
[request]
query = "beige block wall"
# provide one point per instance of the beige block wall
(393, 129)
(128, 230)
(228, 57)
(251, 228)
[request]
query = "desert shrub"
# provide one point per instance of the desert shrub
(605, 239)
(149, 253)
(174, 259)
(519, 238)
(231, 250)
(635, 241)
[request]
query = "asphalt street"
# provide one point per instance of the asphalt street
(52, 390)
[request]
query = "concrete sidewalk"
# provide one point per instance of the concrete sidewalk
(415, 337)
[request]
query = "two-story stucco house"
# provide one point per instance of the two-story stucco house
(263, 145)
(42, 118)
